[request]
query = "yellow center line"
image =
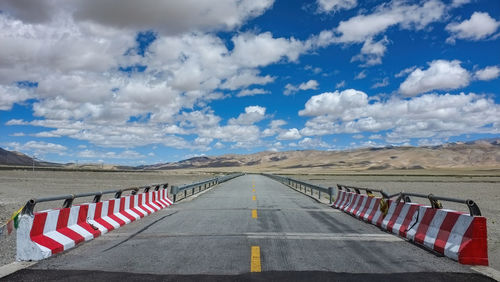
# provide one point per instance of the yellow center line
(253, 198)
(254, 213)
(253, 190)
(255, 260)
(253, 185)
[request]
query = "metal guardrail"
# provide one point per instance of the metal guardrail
(68, 199)
(402, 196)
(435, 201)
(368, 191)
(197, 187)
(302, 185)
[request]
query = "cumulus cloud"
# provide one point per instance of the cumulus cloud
(372, 52)
(425, 116)
(382, 83)
(367, 28)
(251, 115)
(93, 82)
(290, 134)
(274, 128)
(308, 85)
(441, 75)
(37, 148)
(313, 143)
(252, 92)
(361, 75)
(327, 6)
(169, 17)
(480, 26)
(488, 73)
(126, 154)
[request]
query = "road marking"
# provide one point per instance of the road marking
(488, 271)
(253, 190)
(254, 198)
(254, 213)
(255, 260)
(14, 266)
(253, 185)
(369, 237)
(325, 236)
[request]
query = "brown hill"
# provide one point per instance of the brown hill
(482, 154)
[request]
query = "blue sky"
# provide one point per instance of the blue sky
(143, 82)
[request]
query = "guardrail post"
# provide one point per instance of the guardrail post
(68, 202)
(174, 190)
(330, 194)
(319, 194)
(97, 198)
(118, 194)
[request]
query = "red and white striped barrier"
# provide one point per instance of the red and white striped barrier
(340, 198)
(400, 218)
(457, 235)
(347, 201)
(50, 232)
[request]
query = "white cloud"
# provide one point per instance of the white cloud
(364, 27)
(254, 50)
(274, 128)
(290, 134)
(479, 26)
(336, 102)
(126, 154)
(315, 70)
(251, 115)
(375, 136)
(367, 27)
(358, 136)
(169, 17)
(405, 71)
(252, 92)
(361, 75)
(341, 84)
(37, 148)
(425, 116)
(382, 83)
(327, 6)
(458, 3)
(441, 75)
(488, 73)
(312, 143)
(372, 52)
(246, 78)
(308, 85)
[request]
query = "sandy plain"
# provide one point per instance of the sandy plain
(18, 186)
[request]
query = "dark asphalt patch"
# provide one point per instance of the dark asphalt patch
(89, 275)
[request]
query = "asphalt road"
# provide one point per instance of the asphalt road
(249, 228)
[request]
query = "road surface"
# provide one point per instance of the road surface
(249, 228)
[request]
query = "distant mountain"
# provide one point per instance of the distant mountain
(13, 158)
(478, 154)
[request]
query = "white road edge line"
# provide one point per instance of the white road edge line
(488, 271)
(10, 268)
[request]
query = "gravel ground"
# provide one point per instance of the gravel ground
(485, 191)
(18, 186)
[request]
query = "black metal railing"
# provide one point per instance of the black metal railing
(198, 187)
(304, 187)
(68, 199)
(402, 196)
(435, 201)
(358, 190)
